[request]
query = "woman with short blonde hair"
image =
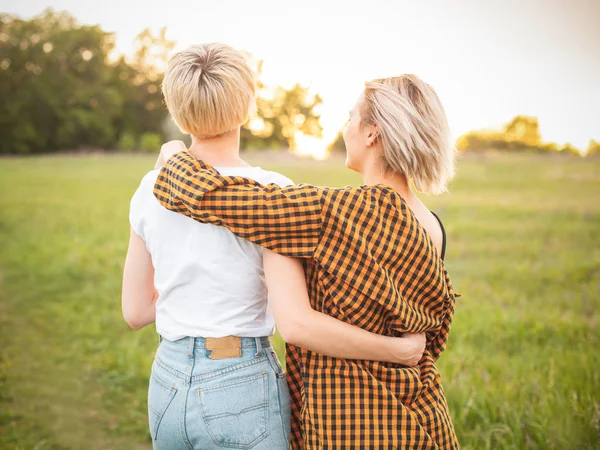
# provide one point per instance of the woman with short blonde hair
(209, 90)
(374, 257)
(215, 381)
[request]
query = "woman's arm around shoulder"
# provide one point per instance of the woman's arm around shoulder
(288, 220)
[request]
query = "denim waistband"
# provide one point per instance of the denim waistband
(199, 342)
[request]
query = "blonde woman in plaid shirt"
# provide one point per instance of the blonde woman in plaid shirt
(373, 257)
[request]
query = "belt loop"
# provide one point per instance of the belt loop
(191, 343)
(160, 339)
(259, 347)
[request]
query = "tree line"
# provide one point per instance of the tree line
(63, 87)
(521, 134)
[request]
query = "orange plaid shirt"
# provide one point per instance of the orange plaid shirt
(368, 262)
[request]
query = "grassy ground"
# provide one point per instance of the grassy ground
(522, 369)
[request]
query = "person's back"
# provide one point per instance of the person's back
(210, 282)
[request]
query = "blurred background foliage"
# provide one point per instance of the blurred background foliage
(63, 88)
(522, 133)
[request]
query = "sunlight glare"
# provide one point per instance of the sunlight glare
(310, 146)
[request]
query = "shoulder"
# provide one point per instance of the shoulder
(147, 183)
(144, 190)
(361, 193)
(355, 203)
(269, 177)
(150, 178)
(140, 202)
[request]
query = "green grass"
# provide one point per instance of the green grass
(522, 369)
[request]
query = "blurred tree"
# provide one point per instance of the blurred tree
(481, 140)
(54, 84)
(280, 115)
(138, 82)
(523, 130)
(338, 145)
(151, 53)
(593, 148)
(127, 142)
(520, 134)
(569, 149)
(61, 91)
(150, 142)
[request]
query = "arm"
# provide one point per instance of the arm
(139, 296)
(301, 325)
(286, 220)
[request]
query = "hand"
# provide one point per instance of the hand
(167, 150)
(410, 348)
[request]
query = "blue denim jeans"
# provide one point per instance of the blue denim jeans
(195, 402)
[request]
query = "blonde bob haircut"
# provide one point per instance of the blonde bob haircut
(209, 90)
(411, 125)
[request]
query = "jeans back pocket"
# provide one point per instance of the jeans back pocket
(160, 396)
(236, 413)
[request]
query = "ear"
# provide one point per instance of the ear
(372, 135)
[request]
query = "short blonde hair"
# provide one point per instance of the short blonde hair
(412, 127)
(209, 89)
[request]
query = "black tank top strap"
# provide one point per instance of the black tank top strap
(443, 234)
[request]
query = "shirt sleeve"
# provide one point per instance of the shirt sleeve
(287, 220)
(140, 204)
(136, 216)
(438, 338)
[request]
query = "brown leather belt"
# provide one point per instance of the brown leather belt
(224, 347)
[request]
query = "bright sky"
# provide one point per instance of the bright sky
(489, 60)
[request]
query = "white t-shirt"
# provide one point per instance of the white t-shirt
(210, 282)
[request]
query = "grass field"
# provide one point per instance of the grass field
(522, 369)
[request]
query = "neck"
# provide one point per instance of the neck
(373, 174)
(222, 150)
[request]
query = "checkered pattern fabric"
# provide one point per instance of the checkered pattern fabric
(369, 263)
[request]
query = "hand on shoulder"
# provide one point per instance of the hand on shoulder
(167, 150)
